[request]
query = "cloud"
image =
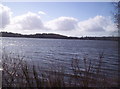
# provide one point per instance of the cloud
(62, 24)
(5, 16)
(97, 24)
(28, 21)
(31, 23)
(42, 13)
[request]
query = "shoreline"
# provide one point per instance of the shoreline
(57, 36)
(117, 38)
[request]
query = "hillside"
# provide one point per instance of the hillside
(55, 36)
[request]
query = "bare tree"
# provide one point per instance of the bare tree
(117, 14)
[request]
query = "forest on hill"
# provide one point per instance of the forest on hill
(55, 36)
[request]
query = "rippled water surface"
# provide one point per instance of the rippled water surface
(61, 51)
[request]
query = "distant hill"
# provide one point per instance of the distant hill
(55, 36)
(43, 35)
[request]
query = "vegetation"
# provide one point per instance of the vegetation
(55, 36)
(117, 13)
(19, 73)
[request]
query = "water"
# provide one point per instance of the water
(61, 51)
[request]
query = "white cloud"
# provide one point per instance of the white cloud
(31, 22)
(28, 21)
(62, 23)
(5, 16)
(41, 12)
(97, 24)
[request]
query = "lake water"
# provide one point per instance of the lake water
(61, 51)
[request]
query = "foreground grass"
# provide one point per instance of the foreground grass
(19, 73)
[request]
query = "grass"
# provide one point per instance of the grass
(19, 73)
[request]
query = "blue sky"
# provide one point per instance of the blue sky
(80, 10)
(67, 18)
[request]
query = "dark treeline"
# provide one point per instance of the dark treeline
(55, 36)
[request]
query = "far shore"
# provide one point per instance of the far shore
(57, 36)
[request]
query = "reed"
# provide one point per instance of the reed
(19, 73)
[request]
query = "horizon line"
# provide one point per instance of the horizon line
(59, 34)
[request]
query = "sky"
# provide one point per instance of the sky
(66, 18)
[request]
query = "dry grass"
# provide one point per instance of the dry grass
(19, 73)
